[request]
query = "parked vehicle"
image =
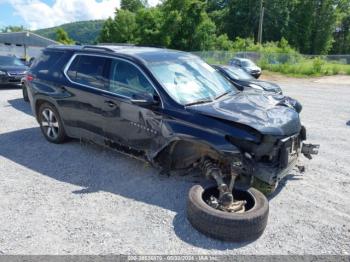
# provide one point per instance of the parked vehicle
(172, 109)
(242, 80)
(12, 70)
(247, 65)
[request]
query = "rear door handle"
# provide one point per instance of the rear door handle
(110, 103)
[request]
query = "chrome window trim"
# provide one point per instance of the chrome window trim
(66, 68)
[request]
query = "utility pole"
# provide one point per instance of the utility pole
(261, 21)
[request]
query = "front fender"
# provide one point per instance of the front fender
(174, 131)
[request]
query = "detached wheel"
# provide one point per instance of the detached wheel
(51, 124)
(223, 225)
(25, 93)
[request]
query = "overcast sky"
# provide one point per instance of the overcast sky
(36, 14)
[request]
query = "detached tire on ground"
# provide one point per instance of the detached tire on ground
(233, 227)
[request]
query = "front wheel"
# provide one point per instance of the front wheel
(223, 225)
(51, 124)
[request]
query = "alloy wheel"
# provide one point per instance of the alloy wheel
(50, 123)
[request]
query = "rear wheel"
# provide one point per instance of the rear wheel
(229, 226)
(51, 124)
(25, 93)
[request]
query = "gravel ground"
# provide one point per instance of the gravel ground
(82, 199)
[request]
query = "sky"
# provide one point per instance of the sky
(36, 14)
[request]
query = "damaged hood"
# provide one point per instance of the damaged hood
(267, 113)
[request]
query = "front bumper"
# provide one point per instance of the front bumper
(11, 80)
(290, 149)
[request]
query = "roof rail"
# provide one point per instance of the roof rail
(116, 44)
(97, 48)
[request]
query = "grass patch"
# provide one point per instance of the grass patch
(307, 67)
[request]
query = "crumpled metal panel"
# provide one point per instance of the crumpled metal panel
(267, 113)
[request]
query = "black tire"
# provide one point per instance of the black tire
(25, 93)
(59, 130)
(233, 227)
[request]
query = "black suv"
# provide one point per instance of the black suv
(174, 110)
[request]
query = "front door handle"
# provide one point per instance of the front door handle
(110, 103)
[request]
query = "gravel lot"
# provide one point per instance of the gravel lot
(81, 199)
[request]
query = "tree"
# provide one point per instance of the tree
(342, 33)
(149, 24)
(312, 26)
(107, 31)
(133, 5)
(241, 19)
(10, 28)
(121, 29)
(187, 26)
(63, 38)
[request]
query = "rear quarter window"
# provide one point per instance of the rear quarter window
(49, 64)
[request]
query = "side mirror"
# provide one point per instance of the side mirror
(145, 100)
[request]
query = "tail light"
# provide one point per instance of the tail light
(29, 78)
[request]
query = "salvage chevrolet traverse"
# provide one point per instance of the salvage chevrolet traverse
(175, 111)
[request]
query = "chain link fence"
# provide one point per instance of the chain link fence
(223, 57)
(287, 63)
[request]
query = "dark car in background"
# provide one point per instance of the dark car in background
(12, 70)
(243, 80)
(172, 109)
(247, 65)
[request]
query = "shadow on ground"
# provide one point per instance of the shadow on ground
(282, 183)
(20, 105)
(96, 169)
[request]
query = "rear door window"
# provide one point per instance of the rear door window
(89, 71)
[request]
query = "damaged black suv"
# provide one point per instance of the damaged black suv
(174, 110)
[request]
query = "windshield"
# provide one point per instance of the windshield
(237, 73)
(10, 61)
(248, 63)
(190, 81)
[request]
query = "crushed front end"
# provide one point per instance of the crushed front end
(275, 156)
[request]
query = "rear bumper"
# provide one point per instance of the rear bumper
(256, 74)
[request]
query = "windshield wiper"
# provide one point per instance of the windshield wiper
(222, 95)
(199, 102)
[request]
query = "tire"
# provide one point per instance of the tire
(51, 120)
(233, 227)
(25, 93)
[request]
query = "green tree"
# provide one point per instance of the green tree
(149, 24)
(133, 5)
(63, 38)
(241, 19)
(187, 26)
(312, 26)
(121, 29)
(10, 28)
(341, 43)
(106, 33)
